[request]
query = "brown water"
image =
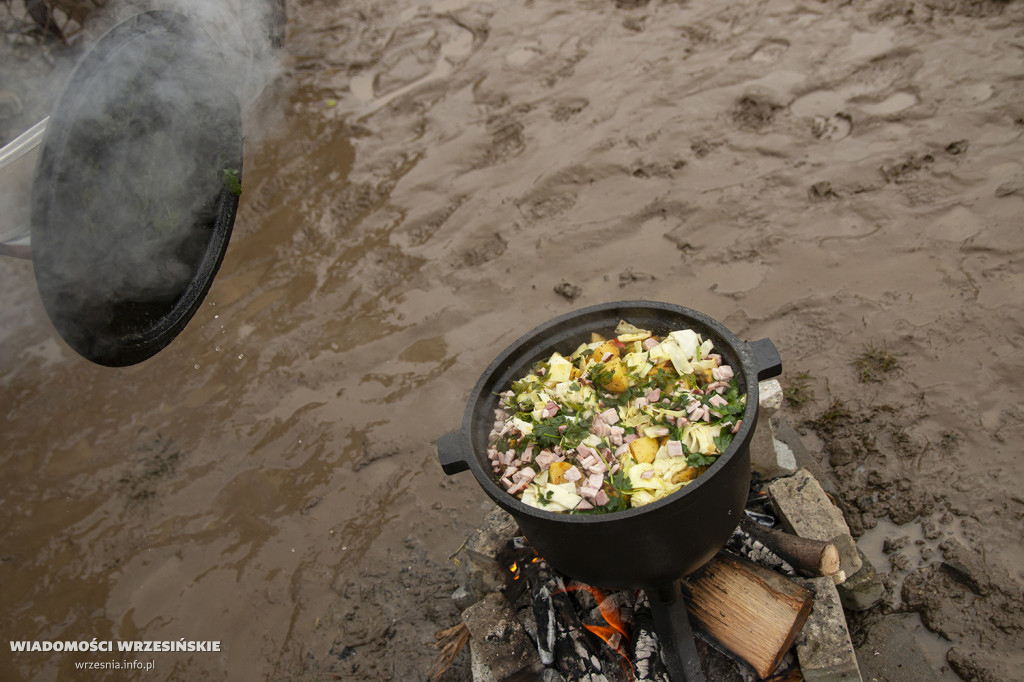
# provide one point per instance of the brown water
(415, 188)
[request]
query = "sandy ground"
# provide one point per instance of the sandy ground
(426, 182)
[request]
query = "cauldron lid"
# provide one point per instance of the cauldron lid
(136, 190)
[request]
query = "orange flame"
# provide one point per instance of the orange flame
(607, 609)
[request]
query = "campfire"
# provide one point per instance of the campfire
(746, 606)
(768, 606)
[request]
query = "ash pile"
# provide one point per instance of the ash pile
(770, 605)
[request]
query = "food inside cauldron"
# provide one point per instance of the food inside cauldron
(619, 422)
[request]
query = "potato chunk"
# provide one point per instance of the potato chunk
(606, 347)
(618, 380)
(556, 472)
(644, 449)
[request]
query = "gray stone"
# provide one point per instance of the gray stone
(804, 509)
(823, 646)
(863, 589)
(477, 563)
(891, 653)
(499, 643)
(769, 396)
(764, 457)
(787, 434)
(785, 456)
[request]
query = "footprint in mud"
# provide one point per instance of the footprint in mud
(769, 51)
(563, 110)
(891, 104)
(428, 47)
(835, 127)
(755, 112)
(881, 86)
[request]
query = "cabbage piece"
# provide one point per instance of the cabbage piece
(524, 427)
(630, 332)
(559, 370)
(677, 355)
(689, 341)
(551, 497)
(700, 438)
(637, 364)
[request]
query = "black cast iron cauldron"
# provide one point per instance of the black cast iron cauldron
(649, 547)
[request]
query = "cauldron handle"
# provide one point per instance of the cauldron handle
(454, 451)
(672, 623)
(769, 363)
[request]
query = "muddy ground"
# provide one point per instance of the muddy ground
(423, 183)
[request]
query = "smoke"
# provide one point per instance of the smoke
(138, 175)
(247, 34)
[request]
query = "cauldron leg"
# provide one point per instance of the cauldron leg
(671, 622)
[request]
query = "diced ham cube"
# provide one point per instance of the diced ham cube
(723, 373)
(595, 480)
(589, 491)
(601, 498)
(650, 342)
(674, 448)
(545, 459)
(584, 505)
(609, 416)
(717, 401)
(572, 474)
(525, 477)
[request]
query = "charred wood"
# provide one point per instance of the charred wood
(562, 641)
(646, 650)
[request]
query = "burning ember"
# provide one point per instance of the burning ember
(582, 631)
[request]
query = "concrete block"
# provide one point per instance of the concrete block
(499, 643)
(823, 646)
(804, 509)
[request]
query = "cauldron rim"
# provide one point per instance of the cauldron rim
(537, 337)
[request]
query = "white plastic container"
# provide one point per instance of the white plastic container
(17, 169)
